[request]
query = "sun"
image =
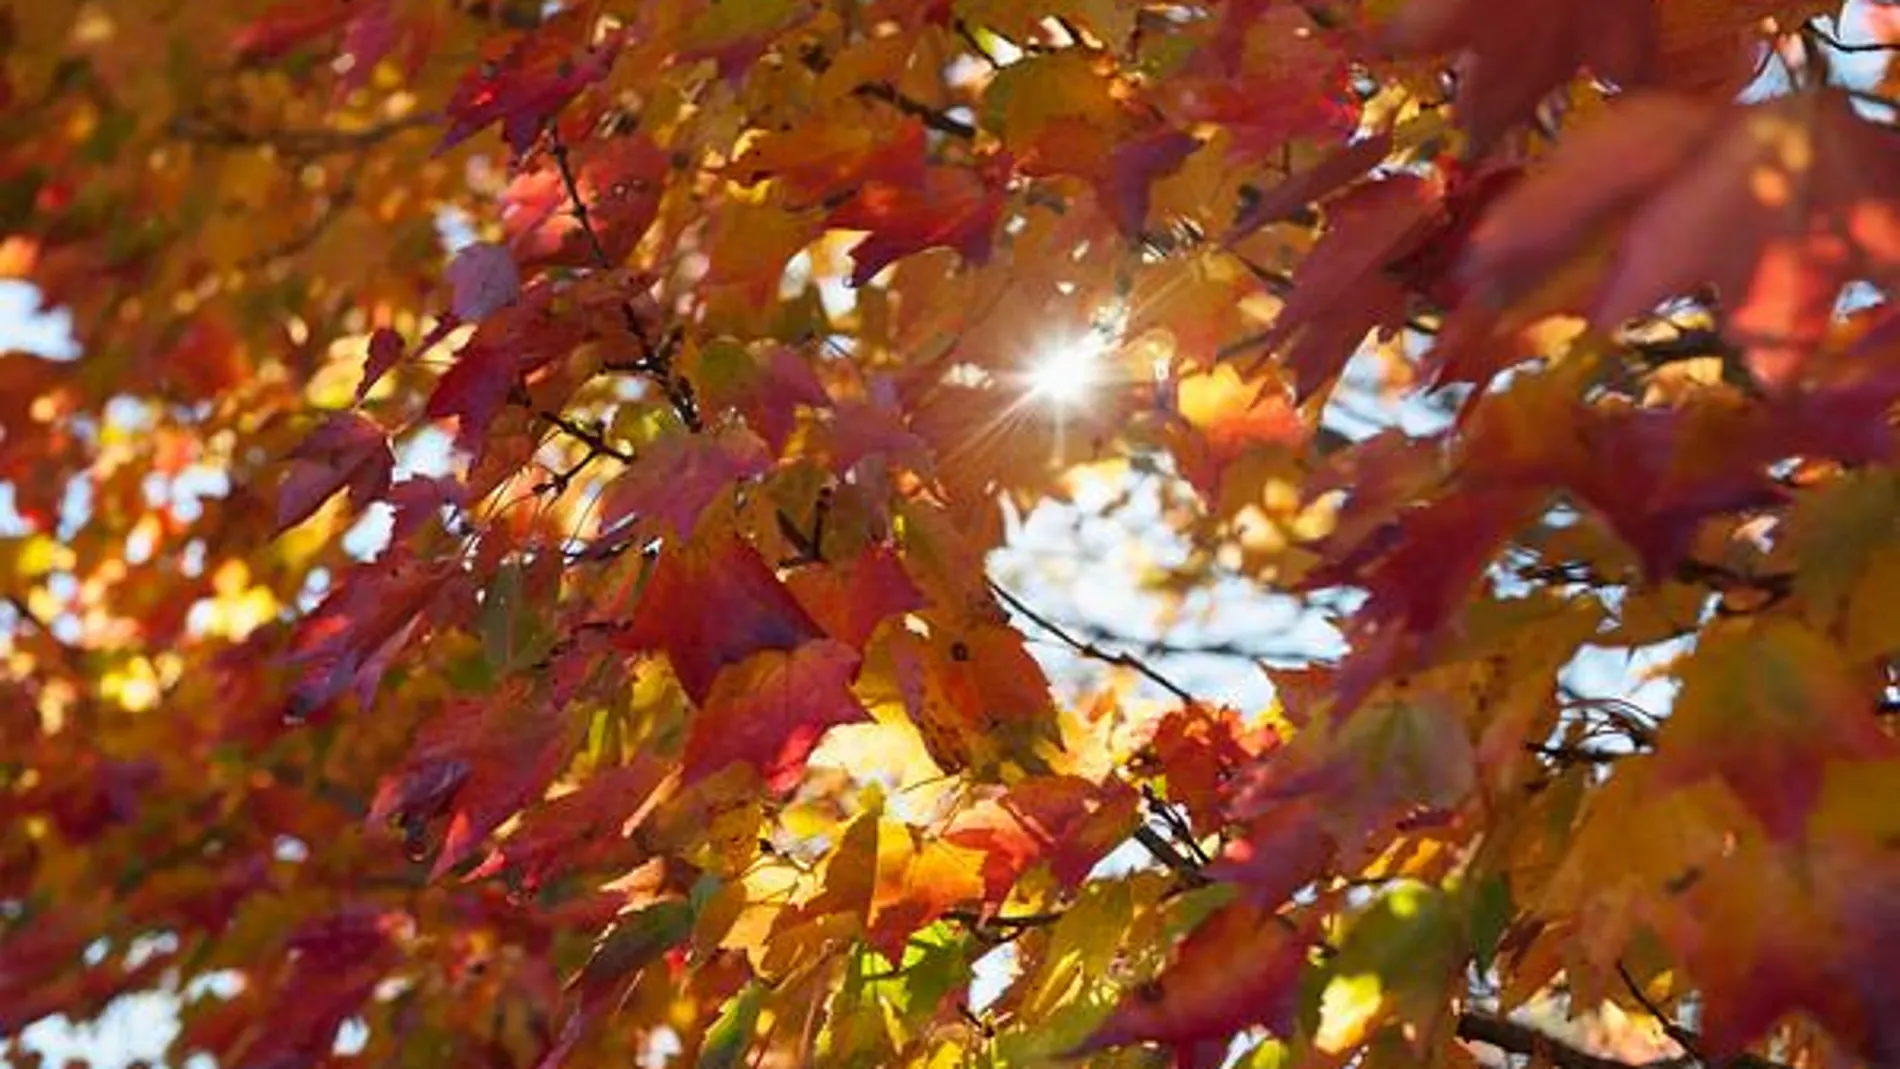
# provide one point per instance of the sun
(1063, 373)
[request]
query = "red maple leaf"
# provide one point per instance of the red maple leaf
(851, 598)
(770, 710)
(349, 640)
(528, 83)
(677, 475)
(619, 180)
(588, 825)
(1344, 287)
(1065, 820)
(958, 207)
(1778, 205)
(711, 603)
(476, 763)
(346, 452)
(287, 26)
(1241, 967)
(1514, 54)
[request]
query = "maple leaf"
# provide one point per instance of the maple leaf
(864, 145)
(1268, 79)
(348, 641)
(515, 340)
(384, 351)
(1240, 967)
(851, 598)
(1223, 419)
(1342, 289)
(769, 710)
(525, 84)
(484, 279)
(287, 27)
(677, 475)
(1777, 205)
(1760, 947)
(589, 822)
(421, 498)
(958, 207)
(1417, 570)
(767, 388)
(620, 183)
(1514, 55)
(474, 388)
(858, 430)
(1132, 170)
(713, 603)
(1280, 851)
(329, 969)
(1317, 183)
(1201, 751)
(1066, 821)
(345, 452)
(475, 763)
(373, 34)
(734, 36)
(1766, 710)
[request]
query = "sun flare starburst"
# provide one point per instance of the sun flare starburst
(1063, 373)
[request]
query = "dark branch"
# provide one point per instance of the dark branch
(302, 143)
(655, 360)
(1084, 648)
(1683, 1038)
(1514, 1038)
(1820, 33)
(816, 61)
(1157, 647)
(939, 121)
(597, 446)
(1164, 851)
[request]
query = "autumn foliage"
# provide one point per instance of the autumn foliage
(506, 579)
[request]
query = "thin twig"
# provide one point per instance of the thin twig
(1178, 826)
(1683, 1038)
(655, 360)
(916, 109)
(818, 62)
(1084, 648)
(300, 143)
(1156, 647)
(1827, 38)
(1507, 1035)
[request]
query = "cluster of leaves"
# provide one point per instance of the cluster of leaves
(672, 708)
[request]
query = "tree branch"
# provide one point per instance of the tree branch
(301, 143)
(817, 62)
(917, 109)
(1090, 650)
(1822, 34)
(655, 360)
(1514, 1038)
(1164, 851)
(1157, 647)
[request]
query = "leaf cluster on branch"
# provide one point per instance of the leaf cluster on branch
(510, 577)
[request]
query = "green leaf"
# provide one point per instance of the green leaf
(635, 943)
(731, 1034)
(1490, 914)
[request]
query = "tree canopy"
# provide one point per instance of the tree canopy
(505, 579)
